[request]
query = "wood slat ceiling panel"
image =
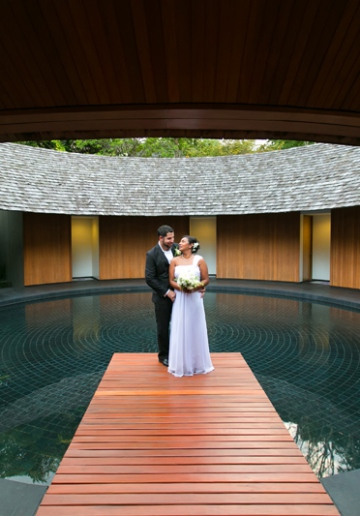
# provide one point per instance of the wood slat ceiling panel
(33, 41)
(239, 16)
(72, 56)
(43, 47)
(324, 29)
(286, 36)
(144, 50)
(184, 31)
(248, 61)
(346, 90)
(126, 29)
(224, 36)
(105, 58)
(153, 19)
(68, 74)
(171, 52)
(89, 45)
(13, 84)
(302, 29)
(344, 85)
(344, 37)
(94, 56)
(259, 85)
(120, 68)
(17, 76)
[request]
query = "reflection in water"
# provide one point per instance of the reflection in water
(85, 328)
(53, 355)
(326, 454)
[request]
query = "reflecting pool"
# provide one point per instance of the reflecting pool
(306, 356)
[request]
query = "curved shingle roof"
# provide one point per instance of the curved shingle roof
(314, 177)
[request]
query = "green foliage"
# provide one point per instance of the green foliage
(191, 147)
(160, 147)
(203, 148)
(165, 147)
(272, 145)
(46, 144)
(105, 147)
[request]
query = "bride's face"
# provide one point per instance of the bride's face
(184, 244)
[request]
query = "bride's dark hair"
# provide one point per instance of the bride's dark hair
(195, 241)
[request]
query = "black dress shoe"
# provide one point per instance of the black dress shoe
(164, 361)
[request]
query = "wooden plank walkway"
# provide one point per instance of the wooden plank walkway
(151, 444)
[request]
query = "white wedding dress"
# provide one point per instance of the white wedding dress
(189, 347)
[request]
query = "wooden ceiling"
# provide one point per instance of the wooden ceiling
(286, 69)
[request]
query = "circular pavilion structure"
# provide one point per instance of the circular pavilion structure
(287, 216)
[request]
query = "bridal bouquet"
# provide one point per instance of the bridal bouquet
(188, 280)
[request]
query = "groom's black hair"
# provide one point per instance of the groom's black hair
(164, 230)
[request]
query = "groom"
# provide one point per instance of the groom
(157, 277)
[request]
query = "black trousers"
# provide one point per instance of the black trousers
(163, 308)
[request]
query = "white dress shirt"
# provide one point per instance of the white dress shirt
(169, 257)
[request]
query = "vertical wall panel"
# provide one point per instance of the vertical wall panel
(47, 248)
(307, 248)
(321, 244)
(259, 247)
(124, 242)
(345, 248)
(204, 228)
(82, 247)
(12, 248)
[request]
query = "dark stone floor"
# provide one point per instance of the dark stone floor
(319, 292)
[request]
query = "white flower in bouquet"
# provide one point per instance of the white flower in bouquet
(188, 280)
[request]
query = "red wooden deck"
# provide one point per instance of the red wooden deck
(153, 444)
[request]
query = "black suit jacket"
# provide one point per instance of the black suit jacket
(157, 271)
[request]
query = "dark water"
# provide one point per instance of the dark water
(53, 355)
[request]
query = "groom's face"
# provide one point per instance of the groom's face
(167, 241)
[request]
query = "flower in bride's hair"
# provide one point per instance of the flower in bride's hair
(188, 280)
(195, 247)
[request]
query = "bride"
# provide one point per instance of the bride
(189, 348)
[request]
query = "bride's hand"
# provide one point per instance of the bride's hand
(202, 290)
